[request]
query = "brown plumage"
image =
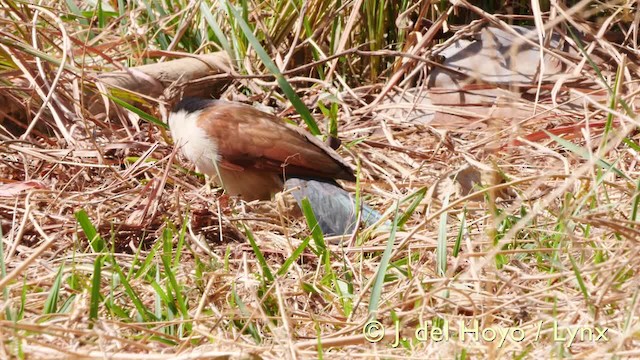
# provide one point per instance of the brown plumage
(249, 152)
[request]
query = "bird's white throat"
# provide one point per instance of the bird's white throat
(195, 144)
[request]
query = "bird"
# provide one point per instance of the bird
(248, 152)
(252, 154)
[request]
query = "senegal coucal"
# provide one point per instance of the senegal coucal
(248, 152)
(252, 154)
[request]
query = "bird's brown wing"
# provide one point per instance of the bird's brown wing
(248, 138)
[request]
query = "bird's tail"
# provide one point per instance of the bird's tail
(334, 208)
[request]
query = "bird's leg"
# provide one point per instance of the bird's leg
(218, 176)
(208, 183)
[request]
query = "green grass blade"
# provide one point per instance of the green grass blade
(294, 256)
(636, 202)
(67, 304)
(36, 53)
(300, 107)
(250, 328)
(75, 10)
(376, 291)
(177, 253)
(162, 296)
(266, 271)
(581, 284)
(312, 222)
(418, 196)
(51, 303)
(456, 246)
(213, 24)
(95, 240)
(162, 37)
(101, 16)
(23, 300)
(612, 105)
(177, 291)
(122, 11)
(144, 313)
(147, 265)
(94, 301)
(441, 251)
(632, 144)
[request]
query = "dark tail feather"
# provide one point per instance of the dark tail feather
(333, 206)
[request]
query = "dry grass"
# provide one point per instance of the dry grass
(547, 245)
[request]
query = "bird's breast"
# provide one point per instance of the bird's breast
(195, 144)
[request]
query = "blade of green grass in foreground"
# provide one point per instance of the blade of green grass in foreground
(36, 53)
(376, 292)
(441, 253)
(300, 107)
(343, 288)
(95, 240)
(160, 297)
(345, 292)
(94, 301)
(612, 105)
(294, 256)
(418, 196)
(144, 269)
(581, 284)
(168, 253)
(456, 246)
(266, 272)
(51, 304)
(630, 143)
(122, 11)
(177, 251)
(636, 203)
(312, 222)
(319, 349)
(98, 245)
(144, 313)
(177, 291)
(249, 327)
